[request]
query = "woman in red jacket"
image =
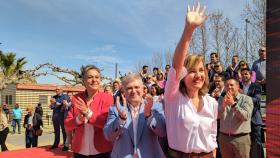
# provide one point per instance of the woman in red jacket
(87, 117)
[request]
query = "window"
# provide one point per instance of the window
(43, 99)
(9, 99)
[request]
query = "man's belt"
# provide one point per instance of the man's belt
(175, 153)
(234, 135)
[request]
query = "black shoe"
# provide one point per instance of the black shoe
(65, 148)
(53, 147)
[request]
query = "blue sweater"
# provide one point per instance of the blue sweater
(17, 113)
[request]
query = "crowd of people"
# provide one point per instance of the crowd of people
(32, 122)
(190, 109)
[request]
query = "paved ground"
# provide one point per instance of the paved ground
(17, 141)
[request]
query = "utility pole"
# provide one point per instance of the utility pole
(116, 71)
(247, 21)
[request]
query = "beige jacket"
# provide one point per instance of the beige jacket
(3, 121)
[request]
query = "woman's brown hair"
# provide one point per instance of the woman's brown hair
(190, 62)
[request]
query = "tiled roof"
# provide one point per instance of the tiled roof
(49, 87)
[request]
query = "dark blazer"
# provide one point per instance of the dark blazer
(232, 73)
(57, 107)
(36, 121)
(254, 91)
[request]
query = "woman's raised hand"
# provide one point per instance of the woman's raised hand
(195, 16)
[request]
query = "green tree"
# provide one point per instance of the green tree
(10, 65)
(11, 69)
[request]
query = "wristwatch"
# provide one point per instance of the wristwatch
(86, 113)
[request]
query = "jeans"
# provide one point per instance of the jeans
(257, 150)
(16, 121)
(30, 139)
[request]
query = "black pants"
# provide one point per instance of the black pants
(31, 139)
(3, 137)
(164, 144)
(102, 155)
(58, 123)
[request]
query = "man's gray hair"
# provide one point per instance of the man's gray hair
(130, 78)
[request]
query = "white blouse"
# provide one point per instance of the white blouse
(188, 130)
(87, 147)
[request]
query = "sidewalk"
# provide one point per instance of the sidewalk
(17, 141)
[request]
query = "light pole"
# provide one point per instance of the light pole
(247, 21)
(116, 71)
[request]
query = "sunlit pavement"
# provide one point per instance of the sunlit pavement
(17, 141)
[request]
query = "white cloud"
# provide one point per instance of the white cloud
(105, 55)
(97, 58)
(105, 48)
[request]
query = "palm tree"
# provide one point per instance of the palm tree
(9, 65)
(10, 68)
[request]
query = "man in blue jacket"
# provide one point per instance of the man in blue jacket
(58, 117)
(135, 127)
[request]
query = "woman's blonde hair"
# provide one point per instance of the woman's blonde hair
(190, 62)
(29, 108)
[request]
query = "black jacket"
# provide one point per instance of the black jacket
(39, 110)
(254, 92)
(36, 121)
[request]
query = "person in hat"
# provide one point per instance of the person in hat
(32, 123)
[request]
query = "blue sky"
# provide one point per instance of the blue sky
(71, 33)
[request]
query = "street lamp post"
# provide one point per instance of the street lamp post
(247, 21)
(116, 71)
